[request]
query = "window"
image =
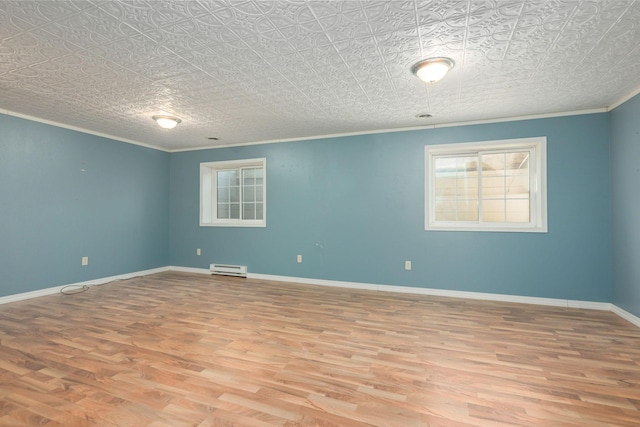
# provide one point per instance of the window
(233, 193)
(487, 186)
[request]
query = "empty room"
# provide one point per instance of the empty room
(319, 213)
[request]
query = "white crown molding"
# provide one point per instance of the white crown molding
(56, 289)
(518, 118)
(404, 129)
(78, 129)
(328, 136)
(623, 99)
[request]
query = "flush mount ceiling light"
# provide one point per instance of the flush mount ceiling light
(167, 122)
(432, 69)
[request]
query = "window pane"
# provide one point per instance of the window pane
(248, 211)
(445, 210)
(223, 195)
(223, 210)
(493, 186)
(228, 187)
(227, 178)
(467, 210)
(249, 194)
(517, 163)
(517, 210)
(456, 188)
(505, 178)
(223, 179)
(251, 191)
(493, 164)
(259, 210)
(234, 194)
(445, 165)
(234, 211)
(234, 177)
(518, 186)
(493, 210)
(467, 186)
(248, 177)
(445, 186)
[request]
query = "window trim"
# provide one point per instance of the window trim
(538, 184)
(208, 193)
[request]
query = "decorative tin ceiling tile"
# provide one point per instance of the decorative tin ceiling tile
(250, 70)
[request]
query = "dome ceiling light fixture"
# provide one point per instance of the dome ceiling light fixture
(431, 70)
(167, 122)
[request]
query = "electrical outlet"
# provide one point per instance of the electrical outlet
(85, 260)
(198, 252)
(299, 259)
(407, 265)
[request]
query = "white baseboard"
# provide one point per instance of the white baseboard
(625, 315)
(189, 269)
(591, 305)
(307, 281)
(100, 281)
(439, 292)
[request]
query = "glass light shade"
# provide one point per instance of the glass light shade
(433, 69)
(167, 122)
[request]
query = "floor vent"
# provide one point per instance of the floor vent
(229, 270)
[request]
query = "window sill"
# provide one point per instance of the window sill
(252, 224)
(490, 228)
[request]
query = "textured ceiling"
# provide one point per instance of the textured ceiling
(248, 71)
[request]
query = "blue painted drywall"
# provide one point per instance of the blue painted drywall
(354, 208)
(625, 172)
(66, 194)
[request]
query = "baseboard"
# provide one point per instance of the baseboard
(100, 281)
(439, 292)
(625, 315)
(307, 281)
(591, 305)
(189, 269)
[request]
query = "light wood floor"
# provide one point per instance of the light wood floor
(177, 349)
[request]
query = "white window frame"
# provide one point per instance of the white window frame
(209, 196)
(537, 184)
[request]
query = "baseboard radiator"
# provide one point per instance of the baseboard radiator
(229, 270)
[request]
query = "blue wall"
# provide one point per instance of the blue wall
(65, 195)
(625, 160)
(354, 208)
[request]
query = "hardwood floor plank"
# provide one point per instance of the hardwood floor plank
(178, 349)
